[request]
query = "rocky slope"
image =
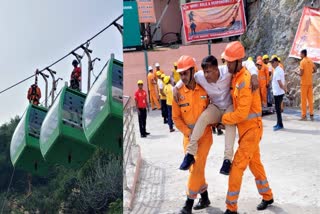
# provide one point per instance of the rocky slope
(272, 25)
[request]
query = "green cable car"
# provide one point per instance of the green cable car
(24, 148)
(62, 139)
(103, 109)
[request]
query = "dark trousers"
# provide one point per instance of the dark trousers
(142, 115)
(164, 109)
(278, 100)
(170, 122)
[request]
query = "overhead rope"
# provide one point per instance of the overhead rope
(62, 58)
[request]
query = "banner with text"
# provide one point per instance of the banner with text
(308, 35)
(213, 19)
(146, 11)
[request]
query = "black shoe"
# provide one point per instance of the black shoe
(230, 212)
(143, 135)
(311, 117)
(172, 130)
(214, 130)
(226, 166)
(165, 121)
(187, 162)
(264, 204)
(187, 209)
(202, 204)
(220, 132)
(147, 133)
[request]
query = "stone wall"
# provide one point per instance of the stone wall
(272, 26)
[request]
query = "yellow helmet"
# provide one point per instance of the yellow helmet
(162, 75)
(140, 82)
(279, 59)
(158, 73)
(273, 56)
(250, 58)
(175, 64)
(166, 79)
(265, 57)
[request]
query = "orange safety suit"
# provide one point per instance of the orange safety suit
(34, 94)
(155, 74)
(247, 116)
(153, 91)
(263, 77)
(185, 114)
(306, 83)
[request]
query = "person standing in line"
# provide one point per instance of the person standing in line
(307, 68)
(169, 97)
(278, 89)
(152, 84)
(140, 98)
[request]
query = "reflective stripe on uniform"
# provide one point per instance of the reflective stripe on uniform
(241, 85)
(263, 190)
(190, 126)
(261, 182)
(233, 193)
(253, 115)
(231, 202)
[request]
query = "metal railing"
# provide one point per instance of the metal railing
(129, 138)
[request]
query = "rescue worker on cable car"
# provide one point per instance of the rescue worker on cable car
(75, 76)
(34, 93)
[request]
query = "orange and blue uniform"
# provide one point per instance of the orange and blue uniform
(185, 114)
(247, 117)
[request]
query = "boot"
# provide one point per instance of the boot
(220, 132)
(187, 162)
(187, 209)
(264, 204)
(204, 201)
(226, 166)
(230, 212)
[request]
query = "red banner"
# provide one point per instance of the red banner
(146, 11)
(308, 35)
(213, 19)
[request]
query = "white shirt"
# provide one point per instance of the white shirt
(250, 66)
(160, 83)
(278, 74)
(219, 92)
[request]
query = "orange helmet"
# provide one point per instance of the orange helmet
(259, 62)
(185, 62)
(234, 51)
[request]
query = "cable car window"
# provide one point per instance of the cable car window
(72, 109)
(117, 82)
(36, 118)
(50, 122)
(96, 99)
(19, 136)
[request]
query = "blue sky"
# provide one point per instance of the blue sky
(35, 33)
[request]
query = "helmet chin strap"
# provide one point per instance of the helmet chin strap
(235, 68)
(191, 74)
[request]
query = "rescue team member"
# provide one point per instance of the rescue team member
(278, 89)
(216, 81)
(175, 74)
(75, 79)
(163, 99)
(169, 97)
(140, 97)
(263, 76)
(152, 84)
(265, 60)
(185, 114)
(34, 93)
(247, 117)
(307, 68)
(157, 65)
